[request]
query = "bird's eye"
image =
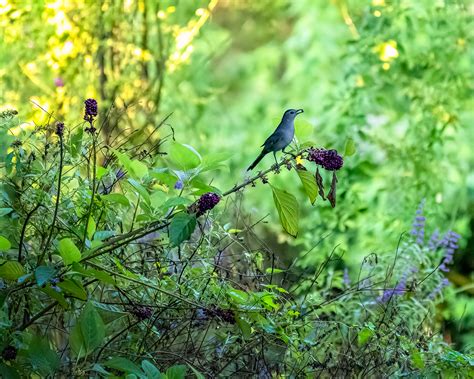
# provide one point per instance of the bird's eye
(291, 112)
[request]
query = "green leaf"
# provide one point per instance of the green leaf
(238, 296)
(43, 274)
(69, 251)
(4, 244)
(364, 335)
(417, 359)
(41, 357)
(176, 372)
(76, 142)
(303, 129)
(141, 190)
(101, 171)
(8, 372)
(90, 228)
(59, 297)
(350, 147)
(116, 198)
(309, 184)
(5, 211)
(150, 370)
(123, 364)
(73, 288)
(138, 169)
(288, 210)
(181, 227)
(92, 272)
(88, 333)
(197, 373)
(174, 202)
(11, 270)
(184, 156)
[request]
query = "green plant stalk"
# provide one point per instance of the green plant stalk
(56, 205)
(91, 205)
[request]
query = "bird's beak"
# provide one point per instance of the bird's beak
(298, 111)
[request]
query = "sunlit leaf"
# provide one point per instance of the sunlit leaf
(69, 251)
(309, 184)
(183, 156)
(4, 244)
(350, 147)
(288, 210)
(123, 364)
(11, 270)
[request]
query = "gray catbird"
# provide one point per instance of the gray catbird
(281, 137)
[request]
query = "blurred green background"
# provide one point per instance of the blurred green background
(395, 77)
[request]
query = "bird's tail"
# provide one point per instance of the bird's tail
(259, 158)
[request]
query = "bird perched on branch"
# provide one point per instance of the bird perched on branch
(281, 137)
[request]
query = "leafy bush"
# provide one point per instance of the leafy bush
(123, 260)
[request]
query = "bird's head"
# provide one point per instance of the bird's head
(290, 114)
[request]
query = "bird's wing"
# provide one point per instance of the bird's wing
(275, 136)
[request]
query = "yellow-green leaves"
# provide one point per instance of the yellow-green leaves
(288, 210)
(184, 156)
(69, 251)
(350, 148)
(134, 168)
(4, 244)
(11, 270)
(309, 184)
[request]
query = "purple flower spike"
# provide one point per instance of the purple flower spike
(90, 110)
(345, 279)
(179, 185)
(418, 227)
(437, 290)
(450, 244)
(434, 241)
(328, 159)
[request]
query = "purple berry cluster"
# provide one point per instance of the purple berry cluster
(142, 313)
(328, 159)
(60, 128)
(90, 111)
(9, 353)
(205, 203)
(226, 315)
(450, 244)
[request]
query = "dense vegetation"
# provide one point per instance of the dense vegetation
(133, 243)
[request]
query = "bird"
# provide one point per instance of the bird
(281, 137)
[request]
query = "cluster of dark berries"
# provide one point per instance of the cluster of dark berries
(16, 143)
(205, 203)
(226, 315)
(142, 313)
(90, 111)
(60, 128)
(328, 159)
(9, 353)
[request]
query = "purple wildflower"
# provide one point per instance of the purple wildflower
(205, 203)
(399, 289)
(90, 112)
(58, 82)
(418, 229)
(434, 241)
(59, 128)
(345, 279)
(437, 290)
(179, 185)
(450, 244)
(119, 174)
(328, 159)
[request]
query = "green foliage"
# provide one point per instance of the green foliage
(109, 268)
